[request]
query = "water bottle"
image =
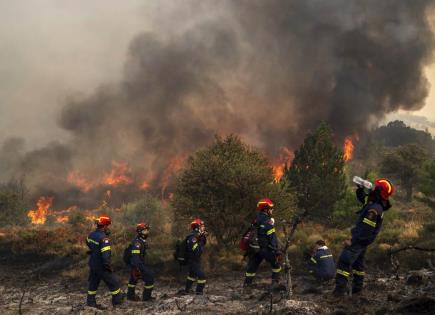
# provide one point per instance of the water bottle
(362, 182)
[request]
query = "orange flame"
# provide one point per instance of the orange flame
(119, 175)
(285, 158)
(348, 149)
(62, 219)
(39, 216)
(77, 179)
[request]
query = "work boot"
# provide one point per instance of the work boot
(131, 295)
(357, 290)
(146, 296)
(200, 287)
(189, 284)
(118, 299)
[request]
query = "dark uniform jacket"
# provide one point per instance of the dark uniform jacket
(266, 232)
(369, 223)
(195, 246)
(99, 245)
(322, 265)
(138, 253)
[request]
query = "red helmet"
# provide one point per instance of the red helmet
(264, 204)
(142, 226)
(103, 221)
(387, 189)
(195, 224)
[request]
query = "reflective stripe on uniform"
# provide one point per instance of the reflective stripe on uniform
(249, 274)
(89, 240)
(105, 248)
(313, 260)
(369, 222)
(92, 292)
(135, 251)
(131, 285)
(191, 279)
(343, 273)
(276, 270)
(116, 292)
(325, 256)
(149, 286)
(358, 273)
(195, 247)
(272, 230)
(202, 281)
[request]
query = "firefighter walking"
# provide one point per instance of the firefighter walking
(367, 227)
(267, 241)
(195, 244)
(100, 263)
(138, 269)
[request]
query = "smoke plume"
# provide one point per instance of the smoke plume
(266, 70)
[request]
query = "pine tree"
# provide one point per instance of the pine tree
(317, 174)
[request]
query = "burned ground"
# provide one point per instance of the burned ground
(40, 288)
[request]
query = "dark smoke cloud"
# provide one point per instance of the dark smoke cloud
(267, 70)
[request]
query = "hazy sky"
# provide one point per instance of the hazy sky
(51, 50)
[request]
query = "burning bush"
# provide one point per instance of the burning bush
(222, 184)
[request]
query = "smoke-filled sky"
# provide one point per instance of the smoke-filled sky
(144, 81)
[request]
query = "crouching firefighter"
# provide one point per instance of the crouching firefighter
(195, 243)
(366, 229)
(99, 264)
(267, 241)
(136, 253)
(321, 268)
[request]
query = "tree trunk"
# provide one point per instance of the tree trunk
(409, 191)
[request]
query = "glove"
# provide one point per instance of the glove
(108, 268)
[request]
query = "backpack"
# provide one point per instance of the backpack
(249, 241)
(127, 255)
(180, 253)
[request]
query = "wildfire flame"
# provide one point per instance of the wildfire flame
(39, 216)
(119, 175)
(77, 179)
(62, 219)
(348, 149)
(285, 158)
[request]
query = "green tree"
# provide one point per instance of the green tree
(427, 182)
(404, 163)
(317, 174)
(13, 205)
(222, 184)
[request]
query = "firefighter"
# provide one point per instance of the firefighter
(267, 241)
(99, 263)
(139, 270)
(321, 268)
(195, 243)
(366, 229)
